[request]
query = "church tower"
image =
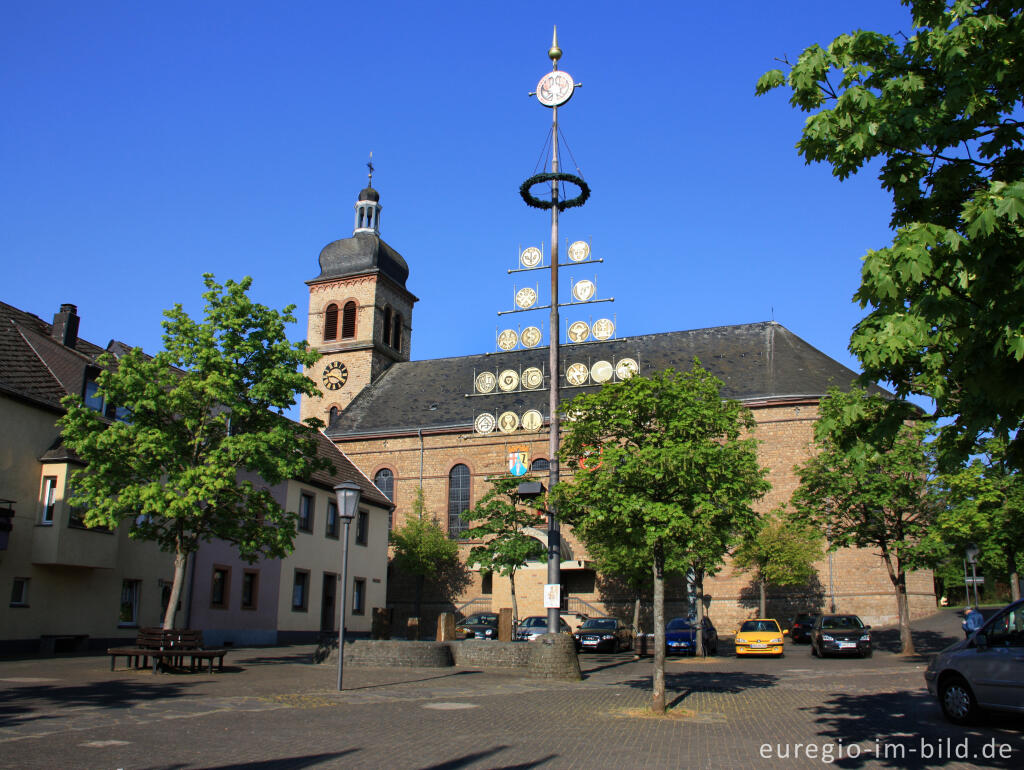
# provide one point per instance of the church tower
(360, 313)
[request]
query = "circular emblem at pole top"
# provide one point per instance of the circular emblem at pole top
(530, 257)
(555, 88)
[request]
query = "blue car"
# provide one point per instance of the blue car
(681, 637)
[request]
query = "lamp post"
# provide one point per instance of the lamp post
(972, 559)
(347, 494)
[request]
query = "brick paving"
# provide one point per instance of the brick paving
(273, 709)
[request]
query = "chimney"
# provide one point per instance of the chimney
(65, 325)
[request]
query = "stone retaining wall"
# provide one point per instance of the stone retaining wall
(550, 657)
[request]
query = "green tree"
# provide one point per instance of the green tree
(617, 558)
(422, 549)
(941, 110)
(498, 517)
(984, 504)
(196, 416)
(867, 490)
(781, 552)
(673, 466)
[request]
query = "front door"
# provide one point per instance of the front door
(328, 598)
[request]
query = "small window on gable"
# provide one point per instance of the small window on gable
(91, 395)
(386, 330)
(331, 322)
(396, 335)
(348, 321)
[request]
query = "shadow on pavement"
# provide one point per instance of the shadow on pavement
(690, 682)
(16, 703)
(602, 662)
(470, 759)
(412, 681)
(926, 642)
(907, 730)
(309, 760)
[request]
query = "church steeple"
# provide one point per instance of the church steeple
(368, 207)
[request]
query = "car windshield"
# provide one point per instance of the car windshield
(481, 619)
(678, 624)
(535, 621)
(604, 624)
(765, 626)
(841, 622)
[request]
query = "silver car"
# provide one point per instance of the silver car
(537, 625)
(986, 670)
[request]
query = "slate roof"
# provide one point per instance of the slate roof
(756, 362)
(361, 254)
(344, 470)
(35, 366)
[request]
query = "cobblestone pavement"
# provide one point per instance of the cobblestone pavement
(272, 709)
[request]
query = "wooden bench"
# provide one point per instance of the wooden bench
(170, 646)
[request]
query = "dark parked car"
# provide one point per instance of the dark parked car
(537, 625)
(984, 671)
(482, 625)
(603, 635)
(840, 635)
(802, 625)
(681, 636)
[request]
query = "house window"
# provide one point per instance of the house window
(300, 591)
(458, 500)
(487, 584)
(348, 321)
(250, 588)
(332, 519)
(386, 331)
(129, 613)
(362, 528)
(359, 596)
(92, 397)
(305, 512)
(49, 498)
(396, 335)
(19, 592)
(385, 481)
(220, 586)
(331, 322)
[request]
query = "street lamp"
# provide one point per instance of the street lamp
(971, 553)
(530, 491)
(347, 494)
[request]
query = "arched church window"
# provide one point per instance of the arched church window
(385, 481)
(396, 336)
(386, 331)
(348, 321)
(540, 464)
(331, 322)
(458, 500)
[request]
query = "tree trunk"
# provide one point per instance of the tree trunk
(1014, 577)
(899, 582)
(762, 603)
(515, 607)
(698, 592)
(180, 560)
(637, 598)
(658, 694)
(419, 595)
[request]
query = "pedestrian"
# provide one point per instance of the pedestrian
(973, 620)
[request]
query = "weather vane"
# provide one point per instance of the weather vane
(369, 165)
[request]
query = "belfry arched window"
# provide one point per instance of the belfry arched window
(331, 322)
(386, 331)
(396, 335)
(348, 321)
(458, 500)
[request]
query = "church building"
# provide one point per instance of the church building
(446, 425)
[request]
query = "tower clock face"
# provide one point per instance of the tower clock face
(335, 375)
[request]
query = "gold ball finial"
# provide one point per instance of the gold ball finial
(555, 53)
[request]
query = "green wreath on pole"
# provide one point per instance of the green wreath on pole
(537, 203)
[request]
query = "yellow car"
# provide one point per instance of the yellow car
(761, 636)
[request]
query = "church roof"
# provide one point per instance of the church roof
(760, 361)
(362, 253)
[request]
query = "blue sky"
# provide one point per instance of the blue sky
(144, 144)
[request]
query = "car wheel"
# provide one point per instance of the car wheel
(866, 653)
(957, 701)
